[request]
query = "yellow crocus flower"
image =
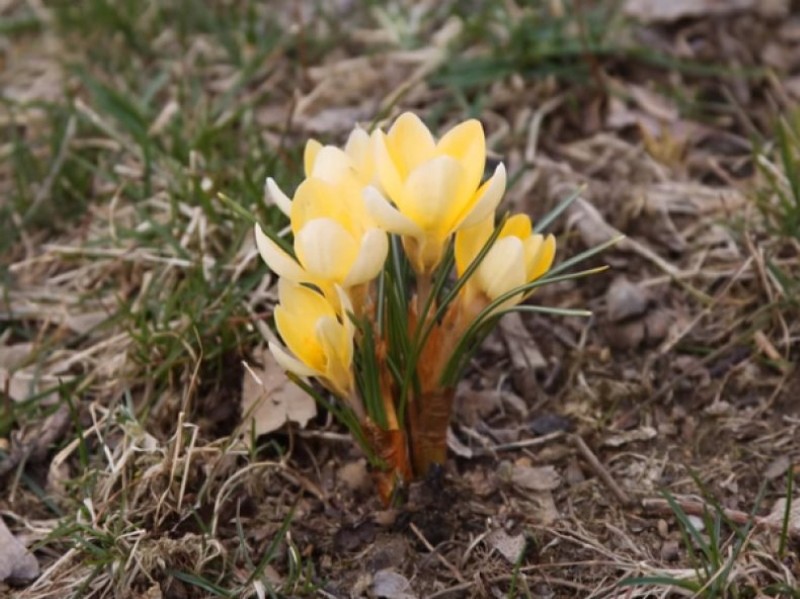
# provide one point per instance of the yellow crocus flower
(331, 164)
(336, 241)
(431, 188)
(517, 257)
(319, 339)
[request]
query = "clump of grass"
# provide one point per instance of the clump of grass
(726, 557)
(779, 164)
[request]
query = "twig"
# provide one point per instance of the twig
(444, 561)
(600, 470)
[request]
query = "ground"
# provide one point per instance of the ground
(650, 450)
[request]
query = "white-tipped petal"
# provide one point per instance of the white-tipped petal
(289, 362)
(433, 194)
(490, 195)
(387, 216)
(326, 249)
(278, 261)
(370, 259)
(273, 194)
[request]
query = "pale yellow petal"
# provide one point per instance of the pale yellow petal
(503, 268)
(301, 300)
(543, 258)
(338, 349)
(300, 338)
(359, 149)
(410, 143)
(326, 249)
(331, 164)
(370, 259)
(432, 195)
(289, 362)
(518, 225)
(274, 195)
(345, 310)
(388, 173)
(310, 155)
(387, 216)
(487, 198)
(278, 260)
(315, 198)
(466, 143)
(470, 241)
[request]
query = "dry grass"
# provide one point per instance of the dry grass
(132, 293)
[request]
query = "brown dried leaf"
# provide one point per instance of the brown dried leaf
(640, 434)
(271, 399)
(659, 11)
(16, 562)
(391, 585)
(625, 300)
(510, 547)
(535, 478)
(522, 348)
(776, 516)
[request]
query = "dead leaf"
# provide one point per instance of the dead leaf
(391, 585)
(625, 300)
(16, 562)
(13, 356)
(640, 434)
(510, 547)
(535, 478)
(659, 11)
(522, 348)
(25, 383)
(271, 399)
(473, 405)
(778, 513)
(777, 468)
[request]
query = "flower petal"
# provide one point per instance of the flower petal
(466, 142)
(302, 301)
(289, 362)
(326, 249)
(518, 226)
(274, 195)
(331, 164)
(338, 348)
(310, 155)
(543, 259)
(300, 338)
(359, 149)
(370, 259)
(387, 216)
(278, 260)
(470, 241)
(346, 309)
(433, 195)
(503, 268)
(410, 143)
(487, 198)
(389, 174)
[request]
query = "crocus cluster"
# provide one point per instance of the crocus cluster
(396, 226)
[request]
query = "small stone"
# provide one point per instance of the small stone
(663, 528)
(625, 300)
(670, 551)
